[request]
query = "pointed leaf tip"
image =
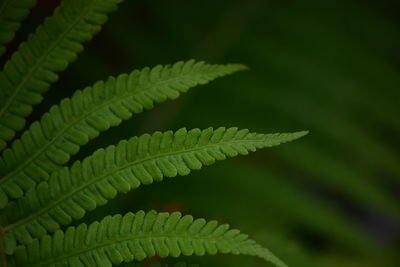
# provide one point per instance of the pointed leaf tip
(240, 66)
(287, 137)
(300, 134)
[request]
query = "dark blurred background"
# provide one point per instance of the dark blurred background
(331, 67)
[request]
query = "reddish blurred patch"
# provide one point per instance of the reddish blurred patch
(173, 206)
(47, 6)
(152, 260)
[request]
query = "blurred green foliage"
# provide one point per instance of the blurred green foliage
(331, 67)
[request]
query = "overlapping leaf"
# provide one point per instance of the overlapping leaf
(118, 239)
(32, 69)
(71, 192)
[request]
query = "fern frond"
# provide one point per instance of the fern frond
(48, 144)
(71, 192)
(12, 12)
(55, 44)
(118, 239)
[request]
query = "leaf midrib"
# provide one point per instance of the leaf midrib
(95, 179)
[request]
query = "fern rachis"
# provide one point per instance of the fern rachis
(40, 194)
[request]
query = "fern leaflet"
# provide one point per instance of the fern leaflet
(71, 192)
(118, 239)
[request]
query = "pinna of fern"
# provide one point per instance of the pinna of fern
(40, 194)
(71, 192)
(118, 239)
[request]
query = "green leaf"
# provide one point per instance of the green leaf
(48, 144)
(56, 43)
(136, 237)
(71, 192)
(12, 12)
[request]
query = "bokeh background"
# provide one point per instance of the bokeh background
(331, 67)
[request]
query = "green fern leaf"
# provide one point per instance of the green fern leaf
(12, 12)
(48, 144)
(32, 69)
(118, 239)
(71, 192)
